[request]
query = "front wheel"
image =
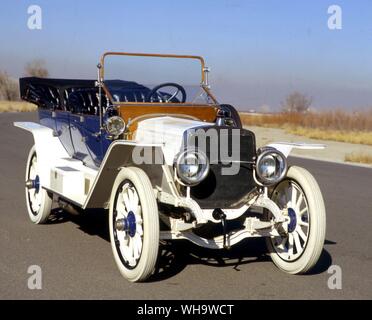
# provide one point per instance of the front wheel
(134, 224)
(299, 250)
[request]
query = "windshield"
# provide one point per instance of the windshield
(143, 78)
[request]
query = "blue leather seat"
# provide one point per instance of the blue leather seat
(85, 101)
(129, 95)
(127, 91)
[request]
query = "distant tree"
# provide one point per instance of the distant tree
(297, 102)
(36, 68)
(8, 87)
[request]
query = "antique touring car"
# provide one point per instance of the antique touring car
(168, 162)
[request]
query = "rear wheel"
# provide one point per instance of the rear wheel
(134, 224)
(38, 200)
(299, 250)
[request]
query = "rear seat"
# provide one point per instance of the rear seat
(85, 100)
(44, 96)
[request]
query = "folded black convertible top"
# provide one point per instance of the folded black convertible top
(46, 92)
(59, 85)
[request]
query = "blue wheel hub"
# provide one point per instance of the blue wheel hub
(293, 220)
(36, 183)
(127, 224)
(33, 184)
(131, 224)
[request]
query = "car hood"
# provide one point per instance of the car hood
(167, 131)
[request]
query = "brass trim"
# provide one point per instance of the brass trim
(158, 55)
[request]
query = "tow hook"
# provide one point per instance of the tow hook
(218, 214)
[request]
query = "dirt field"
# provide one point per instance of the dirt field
(351, 127)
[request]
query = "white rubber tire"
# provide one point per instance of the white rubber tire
(317, 215)
(151, 230)
(42, 214)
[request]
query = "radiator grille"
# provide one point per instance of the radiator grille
(220, 190)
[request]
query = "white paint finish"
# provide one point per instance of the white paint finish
(286, 147)
(68, 182)
(167, 131)
(217, 242)
(107, 162)
(29, 126)
(48, 148)
(231, 214)
(261, 201)
(51, 156)
(68, 179)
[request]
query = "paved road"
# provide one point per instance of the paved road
(75, 254)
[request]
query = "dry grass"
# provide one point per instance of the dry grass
(336, 120)
(335, 125)
(16, 106)
(359, 158)
(359, 137)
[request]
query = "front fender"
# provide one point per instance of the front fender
(286, 147)
(121, 154)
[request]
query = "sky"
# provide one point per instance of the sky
(258, 51)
